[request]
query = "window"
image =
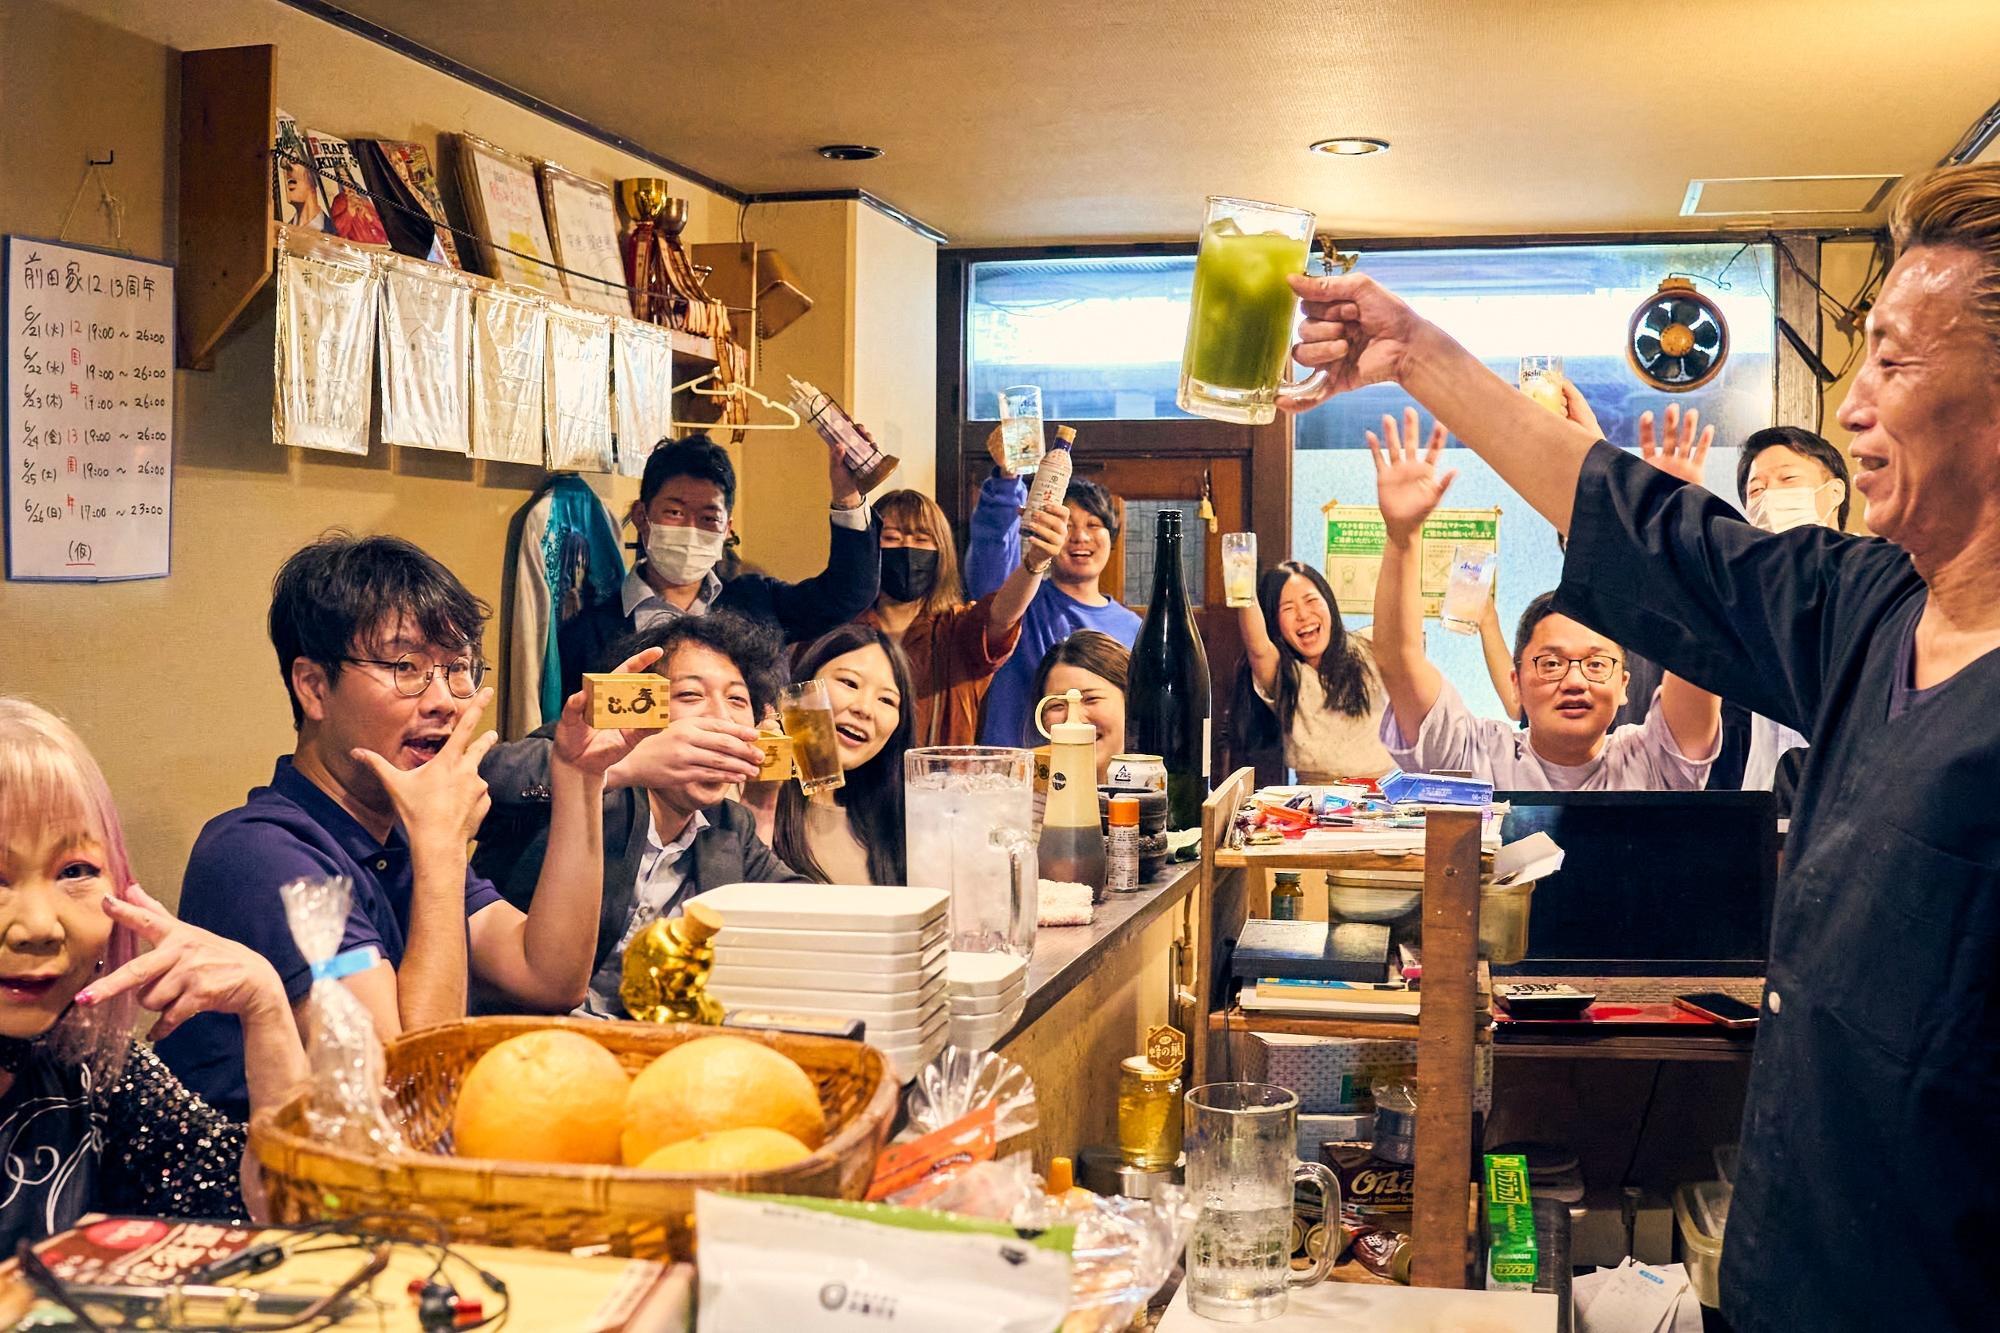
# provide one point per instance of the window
(1101, 336)
(1571, 301)
(1141, 526)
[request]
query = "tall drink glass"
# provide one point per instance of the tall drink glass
(1468, 588)
(1239, 568)
(1242, 1166)
(807, 715)
(1242, 313)
(1021, 438)
(968, 820)
(1542, 380)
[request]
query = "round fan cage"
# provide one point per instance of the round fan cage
(1678, 339)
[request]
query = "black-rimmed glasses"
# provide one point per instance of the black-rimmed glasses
(1550, 667)
(412, 674)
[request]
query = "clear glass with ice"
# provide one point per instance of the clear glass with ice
(968, 818)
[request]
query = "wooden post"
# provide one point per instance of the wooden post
(1445, 1037)
(1194, 978)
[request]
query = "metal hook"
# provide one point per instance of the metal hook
(91, 161)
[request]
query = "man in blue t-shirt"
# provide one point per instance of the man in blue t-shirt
(378, 645)
(1069, 600)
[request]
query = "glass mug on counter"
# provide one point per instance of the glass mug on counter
(1242, 1169)
(1243, 310)
(807, 717)
(968, 828)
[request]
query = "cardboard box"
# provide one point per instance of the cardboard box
(1334, 1075)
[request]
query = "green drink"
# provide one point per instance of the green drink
(1242, 313)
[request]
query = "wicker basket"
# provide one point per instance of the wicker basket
(644, 1214)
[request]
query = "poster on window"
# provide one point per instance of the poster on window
(426, 355)
(509, 334)
(325, 343)
(642, 386)
(578, 390)
(1355, 537)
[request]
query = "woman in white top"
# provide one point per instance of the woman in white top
(854, 833)
(1317, 677)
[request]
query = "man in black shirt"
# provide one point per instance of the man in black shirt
(1869, 1189)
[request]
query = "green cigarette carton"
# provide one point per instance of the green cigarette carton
(1512, 1261)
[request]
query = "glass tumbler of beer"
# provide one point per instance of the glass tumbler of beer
(808, 720)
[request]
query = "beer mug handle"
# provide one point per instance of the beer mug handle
(1329, 1197)
(1292, 392)
(1021, 867)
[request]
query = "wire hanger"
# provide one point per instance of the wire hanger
(739, 391)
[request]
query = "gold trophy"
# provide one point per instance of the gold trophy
(653, 211)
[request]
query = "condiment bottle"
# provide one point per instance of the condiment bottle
(666, 969)
(1071, 850)
(1052, 476)
(1286, 896)
(1121, 846)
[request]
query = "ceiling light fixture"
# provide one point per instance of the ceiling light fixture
(848, 152)
(1350, 146)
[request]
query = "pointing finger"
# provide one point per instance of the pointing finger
(151, 925)
(468, 721)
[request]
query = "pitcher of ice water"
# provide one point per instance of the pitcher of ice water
(1242, 1168)
(968, 819)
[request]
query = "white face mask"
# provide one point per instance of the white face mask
(1782, 508)
(681, 556)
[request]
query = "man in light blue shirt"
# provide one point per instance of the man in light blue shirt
(1069, 599)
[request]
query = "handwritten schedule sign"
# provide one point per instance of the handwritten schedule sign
(88, 405)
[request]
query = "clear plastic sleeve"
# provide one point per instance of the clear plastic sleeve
(642, 391)
(347, 1102)
(509, 334)
(578, 390)
(325, 333)
(425, 349)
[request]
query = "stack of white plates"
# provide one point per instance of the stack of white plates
(988, 993)
(839, 951)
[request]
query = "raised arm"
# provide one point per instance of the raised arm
(1499, 659)
(1364, 334)
(994, 548)
(1258, 649)
(1407, 488)
(1693, 715)
(1042, 537)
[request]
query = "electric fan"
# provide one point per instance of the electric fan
(1677, 339)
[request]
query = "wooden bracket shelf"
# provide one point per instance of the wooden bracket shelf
(1235, 1019)
(226, 254)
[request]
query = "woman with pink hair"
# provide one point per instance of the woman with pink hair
(90, 1120)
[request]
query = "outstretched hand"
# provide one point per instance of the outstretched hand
(1681, 453)
(1355, 328)
(441, 803)
(1408, 487)
(187, 971)
(584, 747)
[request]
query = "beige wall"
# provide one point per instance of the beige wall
(171, 681)
(895, 343)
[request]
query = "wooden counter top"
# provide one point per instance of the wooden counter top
(1066, 955)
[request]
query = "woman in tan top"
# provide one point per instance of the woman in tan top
(1317, 676)
(854, 833)
(953, 646)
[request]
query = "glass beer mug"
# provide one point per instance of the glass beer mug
(1242, 313)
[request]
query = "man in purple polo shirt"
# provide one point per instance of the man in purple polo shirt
(378, 645)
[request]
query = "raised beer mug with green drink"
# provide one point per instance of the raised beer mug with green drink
(1241, 317)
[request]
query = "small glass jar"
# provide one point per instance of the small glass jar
(1149, 1114)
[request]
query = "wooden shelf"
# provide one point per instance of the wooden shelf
(229, 107)
(1288, 856)
(1692, 1048)
(1234, 1019)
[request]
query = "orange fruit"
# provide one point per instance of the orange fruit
(751, 1149)
(717, 1083)
(551, 1096)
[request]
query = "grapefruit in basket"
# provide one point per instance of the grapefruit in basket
(718, 1083)
(550, 1096)
(752, 1149)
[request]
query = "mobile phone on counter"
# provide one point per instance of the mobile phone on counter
(1719, 1008)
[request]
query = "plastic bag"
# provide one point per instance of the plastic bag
(959, 1082)
(346, 1102)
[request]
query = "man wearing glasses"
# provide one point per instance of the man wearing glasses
(686, 496)
(378, 646)
(1572, 680)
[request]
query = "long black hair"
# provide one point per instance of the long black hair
(1343, 666)
(872, 796)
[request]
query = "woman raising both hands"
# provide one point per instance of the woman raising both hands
(90, 1120)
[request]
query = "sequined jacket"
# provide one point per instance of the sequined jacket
(144, 1145)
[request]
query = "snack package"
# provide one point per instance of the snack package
(809, 1265)
(347, 1102)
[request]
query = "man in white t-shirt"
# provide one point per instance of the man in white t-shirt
(1572, 680)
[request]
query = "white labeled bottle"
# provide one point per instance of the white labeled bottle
(1071, 850)
(1052, 477)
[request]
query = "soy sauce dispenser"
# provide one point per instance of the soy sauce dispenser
(1071, 850)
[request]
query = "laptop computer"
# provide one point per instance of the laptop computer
(1660, 894)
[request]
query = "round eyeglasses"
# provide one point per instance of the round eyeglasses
(412, 674)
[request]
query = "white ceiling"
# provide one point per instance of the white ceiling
(1029, 121)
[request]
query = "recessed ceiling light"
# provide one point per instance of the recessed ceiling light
(1350, 146)
(848, 152)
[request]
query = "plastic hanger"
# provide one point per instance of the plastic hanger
(738, 390)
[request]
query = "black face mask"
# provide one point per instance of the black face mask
(908, 573)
